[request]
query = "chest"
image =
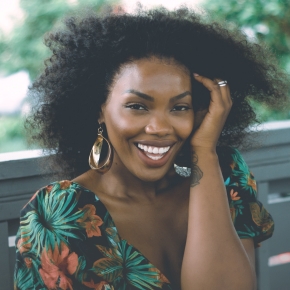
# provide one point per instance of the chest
(158, 232)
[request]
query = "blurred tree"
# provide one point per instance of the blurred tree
(23, 48)
(262, 20)
(266, 21)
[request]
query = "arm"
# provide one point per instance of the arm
(214, 256)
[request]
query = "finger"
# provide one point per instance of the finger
(224, 87)
(225, 91)
(227, 87)
(213, 87)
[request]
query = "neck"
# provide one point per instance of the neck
(121, 183)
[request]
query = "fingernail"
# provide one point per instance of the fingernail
(196, 75)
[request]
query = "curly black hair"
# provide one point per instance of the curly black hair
(89, 50)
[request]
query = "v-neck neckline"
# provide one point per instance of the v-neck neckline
(112, 221)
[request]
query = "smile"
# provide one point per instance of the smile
(153, 152)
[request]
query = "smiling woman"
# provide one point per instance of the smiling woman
(157, 101)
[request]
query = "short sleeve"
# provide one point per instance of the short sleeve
(250, 218)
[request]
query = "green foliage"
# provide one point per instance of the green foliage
(11, 127)
(266, 114)
(269, 23)
(12, 134)
(23, 48)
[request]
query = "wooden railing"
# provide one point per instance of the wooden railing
(270, 162)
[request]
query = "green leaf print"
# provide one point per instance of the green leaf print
(52, 221)
(25, 274)
(124, 264)
(242, 172)
(249, 233)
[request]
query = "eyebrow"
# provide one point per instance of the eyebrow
(151, 99)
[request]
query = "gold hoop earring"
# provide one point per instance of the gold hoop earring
(95, 154)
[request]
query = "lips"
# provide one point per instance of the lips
(154, 153)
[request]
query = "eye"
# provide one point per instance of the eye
(138, 107)
(181, 108)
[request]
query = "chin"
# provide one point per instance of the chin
(152, 176)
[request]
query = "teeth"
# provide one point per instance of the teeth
(154, 157)
(154, 150)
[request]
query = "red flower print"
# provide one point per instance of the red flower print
(90, 221)
(234, 195)
(233, 165)
(22, 246)
(233, 212)
(163, 278)
(64, 184)
(55, 265)
(28, 262)
(252, 182)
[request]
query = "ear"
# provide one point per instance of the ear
(101, 118)
(198, 118)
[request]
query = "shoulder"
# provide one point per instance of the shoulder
(55, 214)
(236, 171)
(250, 217)
(51, 215)
(61, 202)
(52, 243)
(228, 155)
(55, 195)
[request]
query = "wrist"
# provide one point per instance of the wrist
(204, 157)
(210, 151)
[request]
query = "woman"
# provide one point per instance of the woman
(168, 203)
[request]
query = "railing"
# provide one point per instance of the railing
(270, 162)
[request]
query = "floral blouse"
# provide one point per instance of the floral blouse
(68, 240)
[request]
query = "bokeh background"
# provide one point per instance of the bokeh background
(23, 24)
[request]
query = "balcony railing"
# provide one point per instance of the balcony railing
(270, 162)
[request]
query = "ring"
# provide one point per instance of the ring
(222, 83)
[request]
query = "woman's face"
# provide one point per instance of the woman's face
(148, 116)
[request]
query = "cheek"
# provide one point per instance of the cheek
(185, 126)
(120, 123)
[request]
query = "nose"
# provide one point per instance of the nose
(159, 125)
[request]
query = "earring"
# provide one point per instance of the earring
(182, 171)
(95, 154)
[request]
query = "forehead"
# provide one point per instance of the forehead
(151, 74)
